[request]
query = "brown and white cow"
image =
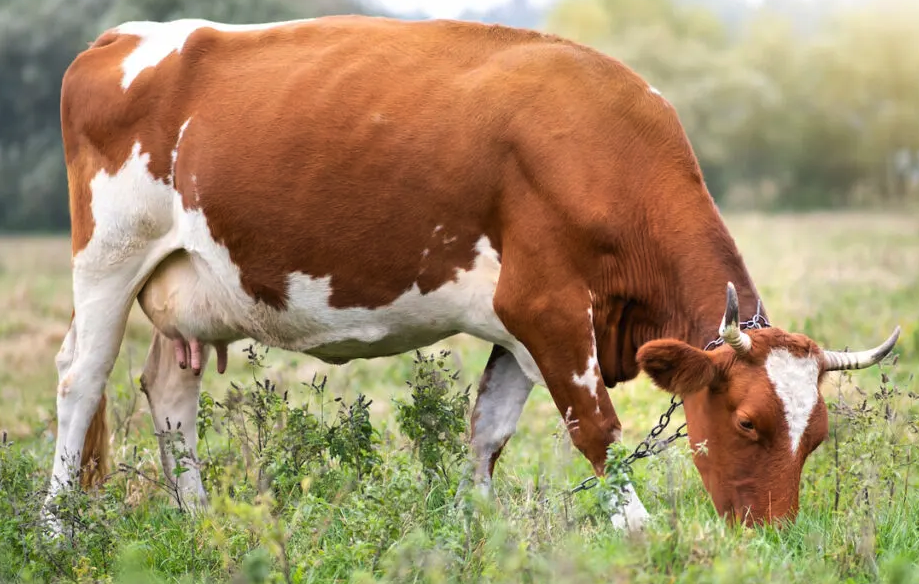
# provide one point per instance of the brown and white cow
(353, 187)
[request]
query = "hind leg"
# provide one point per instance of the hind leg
(64, 362)
(172, 392)
(102, 299)
(503, 392)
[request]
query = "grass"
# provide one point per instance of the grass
(844, 279)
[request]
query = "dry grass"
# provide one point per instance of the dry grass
(850, 277)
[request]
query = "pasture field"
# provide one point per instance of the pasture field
(355, 499)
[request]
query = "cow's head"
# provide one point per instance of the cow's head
(754, 403)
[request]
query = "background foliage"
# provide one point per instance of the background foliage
(38, 40)
(790, 104)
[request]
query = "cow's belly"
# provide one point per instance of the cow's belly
(199, 296)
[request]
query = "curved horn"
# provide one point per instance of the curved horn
(730, 324)
(841, 360)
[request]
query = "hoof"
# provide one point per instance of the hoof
(632, 516)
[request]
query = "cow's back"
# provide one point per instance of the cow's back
(305, 142)
(341, 164)
(326, 186)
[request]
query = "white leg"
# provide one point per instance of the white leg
(173, 396)
(64, 358)
(103, 289)
(632, 515)
(64, 361)
(85, 361)
(503, 391)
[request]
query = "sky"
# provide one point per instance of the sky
(453, 8)
(446, 8)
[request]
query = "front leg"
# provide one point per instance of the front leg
(558, 331)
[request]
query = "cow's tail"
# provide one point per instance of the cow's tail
(94, 463)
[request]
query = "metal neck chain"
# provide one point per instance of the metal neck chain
(651, 446)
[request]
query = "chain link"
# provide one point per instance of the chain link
(588, 483)
(650, 446)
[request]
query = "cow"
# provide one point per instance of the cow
(357, 187)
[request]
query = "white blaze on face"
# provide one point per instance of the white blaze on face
(795, 382)
(159, 39)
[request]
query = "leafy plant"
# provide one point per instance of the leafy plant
(435, 420)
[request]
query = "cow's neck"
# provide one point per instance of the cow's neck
(671, 284)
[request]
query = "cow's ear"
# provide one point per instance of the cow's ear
(677, 367)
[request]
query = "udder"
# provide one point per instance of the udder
(178, 302)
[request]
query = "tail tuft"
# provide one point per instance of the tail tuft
(94, 463)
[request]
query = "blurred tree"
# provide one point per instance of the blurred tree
(592, 21)
(788, 104)
(38, 40)
(801, 107)
(869, 65)
(680, 49)
(845, 105)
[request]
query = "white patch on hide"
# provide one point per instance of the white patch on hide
(131, 212)
(464, 304)
(175, 151)
(199, 294)
(795, 382)
(590, 378)
(130, 209)
(159, 39)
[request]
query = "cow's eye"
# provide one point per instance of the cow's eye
(747, 425)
